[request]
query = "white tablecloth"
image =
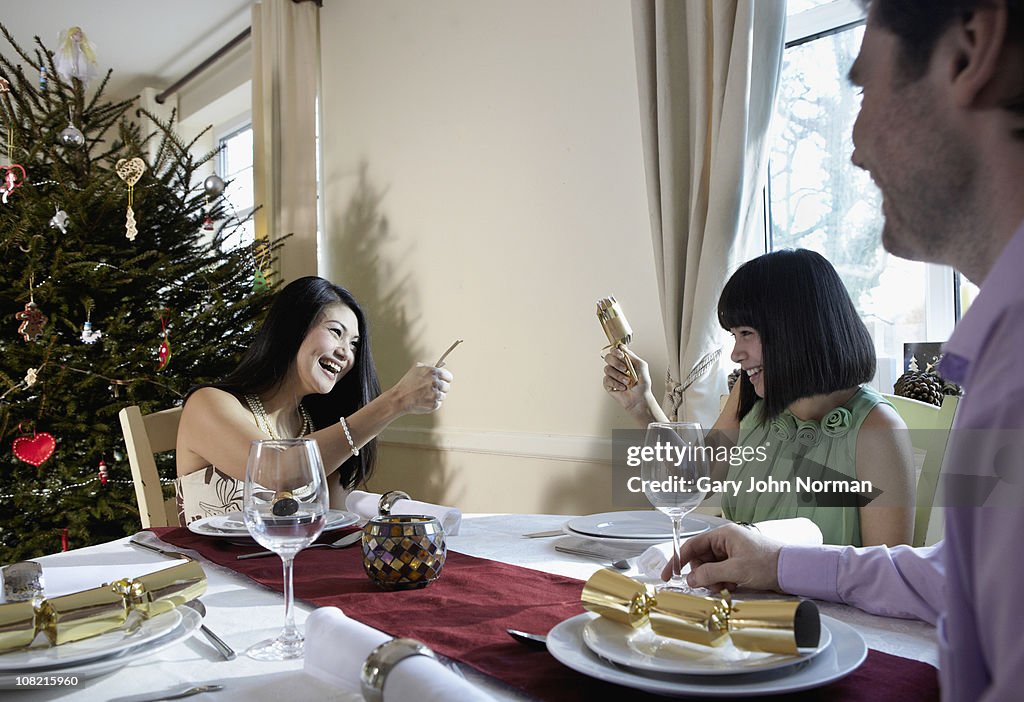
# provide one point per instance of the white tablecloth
(242, 613)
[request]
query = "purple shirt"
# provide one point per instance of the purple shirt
(971, 585)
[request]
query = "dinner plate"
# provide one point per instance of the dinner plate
(645, 650)
(40, 658)
(188, 622)
(848, 650)
(648, 525)
(232, 524)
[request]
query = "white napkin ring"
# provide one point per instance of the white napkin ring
(388, 500)
(382, 659)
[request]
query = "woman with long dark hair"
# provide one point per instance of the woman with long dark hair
(308, 372)
(802, 402)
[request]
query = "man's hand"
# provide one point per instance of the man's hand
(729, 557)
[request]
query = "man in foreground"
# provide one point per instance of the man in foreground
(941, 131)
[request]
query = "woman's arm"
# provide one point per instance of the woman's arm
(216, 429)
(886, 458)
(726, 430)
(637, 399)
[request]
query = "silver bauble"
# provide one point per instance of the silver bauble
(71, 136)
(213, 186)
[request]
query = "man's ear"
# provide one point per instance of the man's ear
(978, 40)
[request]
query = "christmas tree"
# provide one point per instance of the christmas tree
(93, 315)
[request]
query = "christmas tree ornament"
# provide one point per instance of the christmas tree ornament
(5, 87)
(164, 352)
(207, 224)
(36, 449)
(31, 376)
(130, 170)
(103, 472)
(89, 335)
(71, 136)
(13, 176)
(33, 321)
(60, 221)
(42, 77)
(75, 56)
(64, 546)
(213, 186)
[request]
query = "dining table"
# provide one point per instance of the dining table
(491, 565)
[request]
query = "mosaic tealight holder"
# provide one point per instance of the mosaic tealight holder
(403, 552)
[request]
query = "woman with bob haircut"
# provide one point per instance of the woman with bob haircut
(308, 372)
(801, 402)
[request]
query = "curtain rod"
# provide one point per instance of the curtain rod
(203, 66)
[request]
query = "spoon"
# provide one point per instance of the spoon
(218, 643)
(620, 564)
(344, 542)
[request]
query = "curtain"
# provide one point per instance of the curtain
(707, 72)
(286, 77)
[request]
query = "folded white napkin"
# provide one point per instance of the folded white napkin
(365, 505)
(796, 531)
(336, 647)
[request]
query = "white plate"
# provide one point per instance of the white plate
(848, 650)
(645, 527)
(189, 620)
(40, 658)
(232, 524)
(645, 650)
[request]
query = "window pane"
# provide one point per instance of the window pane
(236, 167)
(820, 201)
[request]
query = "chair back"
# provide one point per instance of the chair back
(929, 433)
(144, 436)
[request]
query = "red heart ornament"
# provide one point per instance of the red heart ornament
(35, 450)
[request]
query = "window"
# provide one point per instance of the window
(817, 199)
(235, 166)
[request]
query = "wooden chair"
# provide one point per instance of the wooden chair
(144, 436)
(929, 433)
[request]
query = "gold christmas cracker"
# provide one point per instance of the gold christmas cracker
(81, 615)
(772, 626)
(617, 329)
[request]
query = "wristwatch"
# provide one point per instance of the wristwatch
(382, 659)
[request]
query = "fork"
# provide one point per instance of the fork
(344, 542)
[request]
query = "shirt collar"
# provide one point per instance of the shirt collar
(1000, 289)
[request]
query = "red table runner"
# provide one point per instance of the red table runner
(463, 615)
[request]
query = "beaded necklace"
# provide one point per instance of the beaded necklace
(263, 422)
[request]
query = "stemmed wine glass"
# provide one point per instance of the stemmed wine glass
(672, 480)
(285, 508)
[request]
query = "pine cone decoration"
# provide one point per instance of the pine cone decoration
(920, 385)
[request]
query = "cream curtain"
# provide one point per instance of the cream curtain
(708, 72)
(286, 78)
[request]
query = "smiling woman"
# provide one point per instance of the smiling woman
(308, 372)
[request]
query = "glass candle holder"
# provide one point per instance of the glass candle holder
(403, 552)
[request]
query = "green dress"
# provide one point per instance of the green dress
(823, 450)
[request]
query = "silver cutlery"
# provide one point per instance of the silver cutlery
(218, 643)
(620, 564)
(162, 552)
(158, 697)
(537, 641)
(343, 542)
(542, 534)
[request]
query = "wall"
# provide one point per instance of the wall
(482, 179)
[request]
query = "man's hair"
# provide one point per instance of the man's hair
(813, 342)
(918, 24)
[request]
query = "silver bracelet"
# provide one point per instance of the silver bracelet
(382, 660)
(344, 425)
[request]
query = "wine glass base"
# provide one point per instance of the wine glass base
(277, 650)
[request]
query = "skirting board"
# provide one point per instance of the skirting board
(584, 449)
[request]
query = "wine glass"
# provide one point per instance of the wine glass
(676, 466)
(285, 507)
